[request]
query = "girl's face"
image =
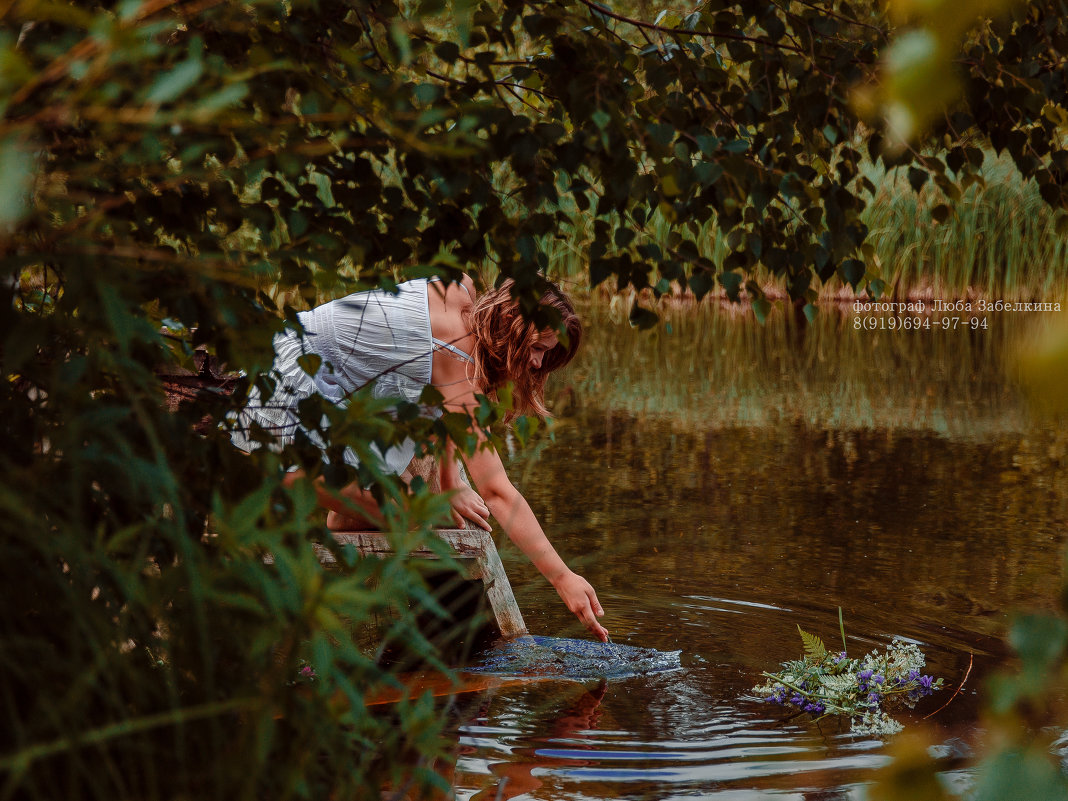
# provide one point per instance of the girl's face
(545, 343)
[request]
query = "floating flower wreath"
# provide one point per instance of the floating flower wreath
(822, 683)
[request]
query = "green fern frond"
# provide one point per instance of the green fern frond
(838, 684)
(814, 647)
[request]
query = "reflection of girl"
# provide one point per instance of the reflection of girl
(568, 736)
(442, 335)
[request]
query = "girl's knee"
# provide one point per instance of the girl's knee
(335, 521)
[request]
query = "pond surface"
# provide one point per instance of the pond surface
(721, 483)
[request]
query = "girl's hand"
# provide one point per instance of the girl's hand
(582, 601)
(466, 503)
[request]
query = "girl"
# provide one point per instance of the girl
(443, 335)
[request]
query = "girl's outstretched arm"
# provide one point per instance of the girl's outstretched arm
(522, 527)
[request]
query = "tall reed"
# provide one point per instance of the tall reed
(999, 240)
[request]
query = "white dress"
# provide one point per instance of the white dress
(366, 337)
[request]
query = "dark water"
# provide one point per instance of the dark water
(724, 483)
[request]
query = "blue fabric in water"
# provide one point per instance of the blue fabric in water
(574, 659)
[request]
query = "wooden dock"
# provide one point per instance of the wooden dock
(476, 553)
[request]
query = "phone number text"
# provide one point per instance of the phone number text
(915, 323)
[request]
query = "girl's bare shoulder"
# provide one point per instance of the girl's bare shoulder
(462, 296)
(449, 304)
(451, 295)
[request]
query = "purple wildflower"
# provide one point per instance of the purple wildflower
(874, 698)
(814, 707)
(914, 674)
(307, 672)
(877, 679)
(778, 696)
(862, 680)
(797, 700)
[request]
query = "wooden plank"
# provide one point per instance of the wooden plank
(499, 589)
(468, 544)
(476, 553)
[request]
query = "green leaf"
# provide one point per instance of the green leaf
(853, 272)
(224, 98)
(661, 133)
(642, 318)
(601, 118)
(917, 178)
(761, 308)
(815, 650)
(1028, 774)
(732, 283)
(702, 282)
(298, 224)
(447, 51)
(310, 363)
(16, 176)
(431, 396)
(401, 41)
(171, 85)
(670, 186)
(1039, 640)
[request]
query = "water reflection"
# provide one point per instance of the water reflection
(579, 746)
(725, 483)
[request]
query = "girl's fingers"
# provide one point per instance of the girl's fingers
(590, 622)
(594, 603)
(599, 631)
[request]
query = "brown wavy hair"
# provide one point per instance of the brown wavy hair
(503, 343)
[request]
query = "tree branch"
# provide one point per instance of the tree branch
(844, 18)
(684, 32)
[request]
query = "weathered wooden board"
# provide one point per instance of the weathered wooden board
(474, 549)
(476, 552)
